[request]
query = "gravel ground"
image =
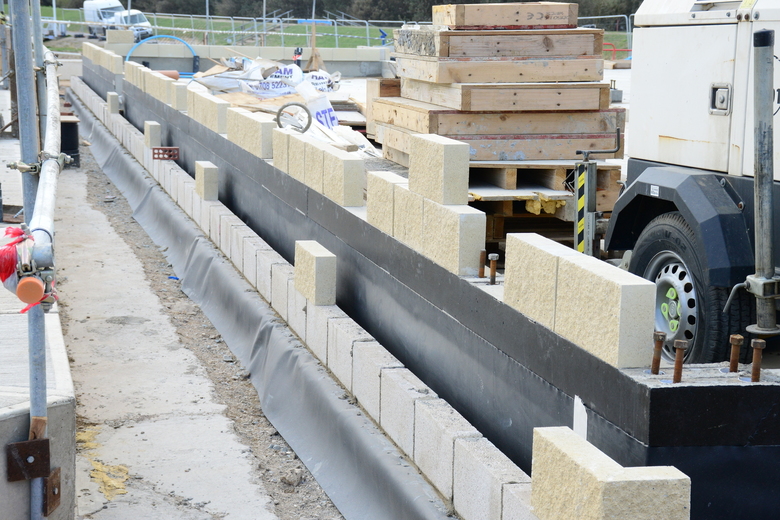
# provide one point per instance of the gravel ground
(295, 493)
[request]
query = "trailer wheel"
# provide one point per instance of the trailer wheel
(666, 252)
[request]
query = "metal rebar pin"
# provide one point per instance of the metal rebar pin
(482, 262)
(736, 341)
(680, 346)
(758, 347)
(493, 257)
(658, 338)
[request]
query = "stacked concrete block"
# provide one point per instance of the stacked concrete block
(177, 95)
(251, 131)
(186, 187)
(344, 178)
(280, 141)
(480, 475)
(119, 36)
(572, 479)
(343, 335)
(266, 260)
(297, 307)
(157, 85)
(281, 276)
(315, 158)
(318, 320)
(177, 177)
(400, 390)
(380, 199)
(605, 310)
(369, 359)
(453, 236)
(207, 180)
(531, 275)
(408, 216)
(112, 101)
(436, 427)
(516, 504)
(228, 222)
(133, 74)
(208, 110)
(238, 237)
(252, 245)
(439, 168)
(193, 205)
(216, 212)
(315, 272)
(152, 134)
(296, 156)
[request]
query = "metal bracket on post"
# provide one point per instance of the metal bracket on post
(27, 460)
(585, 190)
(34, 168)
(52, 491)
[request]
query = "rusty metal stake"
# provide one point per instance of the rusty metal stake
(493, 257)
(659, 338)
(482, 262)
(758, 346)
(680, 346)
(736, 345)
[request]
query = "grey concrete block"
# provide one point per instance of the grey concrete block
(516, 504)
(281, 276)
(227, 223)
(318, 318)
(342, 336)
(252, 245)
(296, 310)
(481, 471)
(216, 212)
(436, 426)
(369, 358)
(266, 259)
(238, 235)
(400, 389)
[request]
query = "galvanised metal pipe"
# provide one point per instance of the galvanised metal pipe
(36, 334)
(763, 93)
(37, 28)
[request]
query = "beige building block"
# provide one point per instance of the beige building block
(112, 102)
(208, 110)
(117, 64)
(152, 134)
(574, 480)
(250, 131)
(296, 156)
(380, 199)
(281, 149)
(116, 36)
(344, 178)
(453, 236)
(408, 216)
(439, 168)
(315, 157)
(531, 275)
(605, 310)
(177, 95)
(315, 272)
(206, 180)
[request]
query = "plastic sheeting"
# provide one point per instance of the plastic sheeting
(362, 472)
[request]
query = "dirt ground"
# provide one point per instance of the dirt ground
(295, 493)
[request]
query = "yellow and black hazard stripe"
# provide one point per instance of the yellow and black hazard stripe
(580, 173)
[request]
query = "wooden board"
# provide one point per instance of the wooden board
(474, 44)
(379, 88)
(512, 147)
(499, 70)
(517, 97)
(526, 14)
(428, 118)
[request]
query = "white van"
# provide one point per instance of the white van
(113, 15)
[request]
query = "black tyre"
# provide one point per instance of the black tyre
(667, 253)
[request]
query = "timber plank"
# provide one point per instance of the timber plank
(516, 97)
(474, 44)
(500, 70)
(428, 118)
(513, 147)
(379, 88)
(526, 14)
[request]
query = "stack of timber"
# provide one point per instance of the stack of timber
(522, 85)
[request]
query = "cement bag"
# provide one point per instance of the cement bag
(280, 83)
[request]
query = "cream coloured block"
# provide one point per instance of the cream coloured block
(342, 338)
(480, 473)
(296, 158)
(400, 389)
(605, 310)
(380, 199)
(315, 158)
(252, 245)
(531, 275)
(436, 426)
(574, 480)
(296, 310)
(439, 168)
(281, 148)
(177, 95)
(251, 131)
(208, 110)
(369, 359)
(152, 134)
(116, 36)
(318, 318)
(207, 180)
(116, 64)
(157, 86)
(315, 272)
(408, 217)
(112, 101)
(453, 236)
(266, 260)
(344, 177)
(281, 275)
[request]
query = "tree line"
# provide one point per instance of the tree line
(407, 10)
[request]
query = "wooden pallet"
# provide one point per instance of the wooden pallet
(427, 118)
(427, 41)
(517, 97)
(511, 147)
(513, 69)
(526, 14)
